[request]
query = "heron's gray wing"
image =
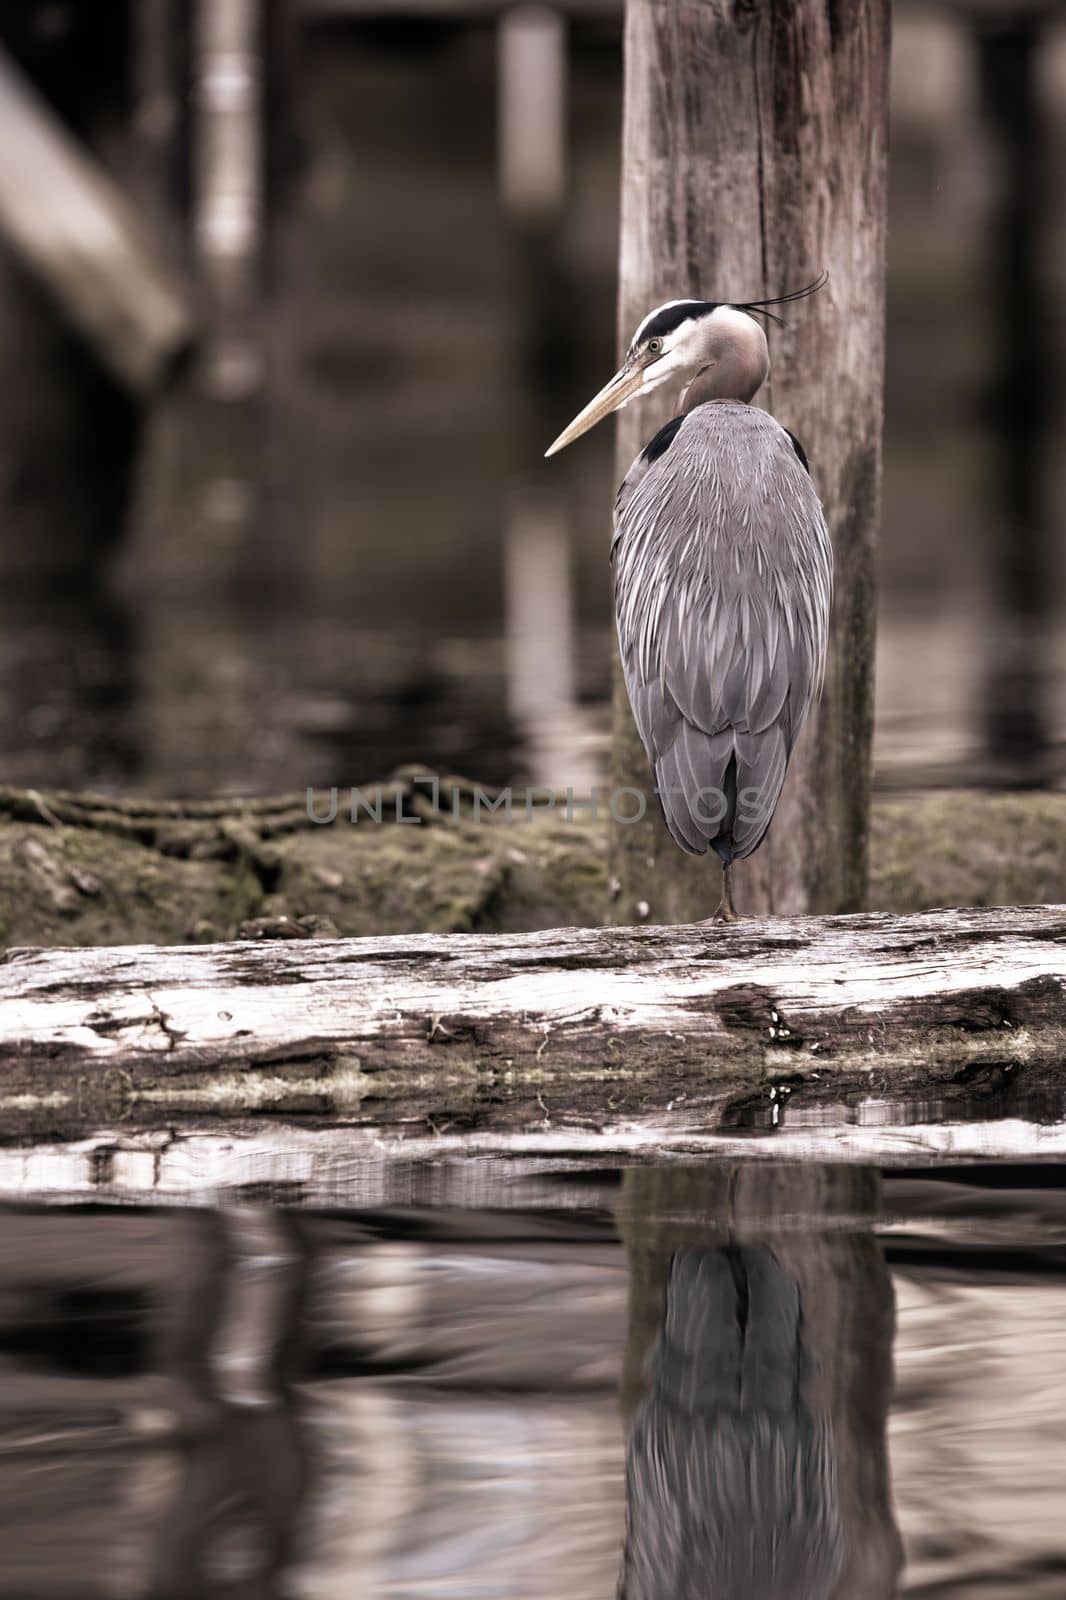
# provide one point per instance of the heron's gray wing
(722, 588)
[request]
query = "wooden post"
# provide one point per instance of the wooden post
(159, 175)
(1022, 410)
(91, 317)
(228, 192)
(754, 155)
(538, 564)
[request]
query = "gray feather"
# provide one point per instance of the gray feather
(723, 574)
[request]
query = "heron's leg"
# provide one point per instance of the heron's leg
(727, 911)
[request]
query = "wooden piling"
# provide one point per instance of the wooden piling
(754, 155)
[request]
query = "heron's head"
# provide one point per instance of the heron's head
(721, 344)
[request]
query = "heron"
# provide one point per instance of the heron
(722, 576)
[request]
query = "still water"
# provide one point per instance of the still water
(751, 1380)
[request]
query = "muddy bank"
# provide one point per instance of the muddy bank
(85, 870)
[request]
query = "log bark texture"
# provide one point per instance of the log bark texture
(685, 1031)
(754, 155)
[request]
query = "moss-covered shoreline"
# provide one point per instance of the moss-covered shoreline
(86, 870)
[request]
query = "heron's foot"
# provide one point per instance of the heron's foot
(725, 913)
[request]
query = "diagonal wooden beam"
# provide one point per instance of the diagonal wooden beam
(72, 228)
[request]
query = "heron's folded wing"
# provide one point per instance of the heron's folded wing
(722, 576)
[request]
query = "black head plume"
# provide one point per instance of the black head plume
(762, 306)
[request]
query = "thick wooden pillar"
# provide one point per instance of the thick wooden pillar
(1021, 409)
(754, 155)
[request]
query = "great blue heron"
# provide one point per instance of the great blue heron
(722, 576)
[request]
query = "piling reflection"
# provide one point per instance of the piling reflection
(151, 1447)
(756, 1463)
(229, 1344)
(730, 1478)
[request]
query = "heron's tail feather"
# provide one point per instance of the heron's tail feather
(721, 789)
(762, 761)
(692, 779)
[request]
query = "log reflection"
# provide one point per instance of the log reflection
(756, 1464)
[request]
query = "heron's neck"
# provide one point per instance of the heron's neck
(734, 363)
(722, 382)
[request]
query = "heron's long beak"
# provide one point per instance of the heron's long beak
(622, 387)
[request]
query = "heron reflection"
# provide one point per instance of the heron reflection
(731, 1484)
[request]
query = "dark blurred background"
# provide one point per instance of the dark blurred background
(272, 505)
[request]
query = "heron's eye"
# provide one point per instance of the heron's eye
(654, 346)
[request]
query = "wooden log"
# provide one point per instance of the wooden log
(69, 225)
(650, 1038)
(754, 155)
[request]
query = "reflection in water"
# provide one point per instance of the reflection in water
(762, 1296)
(422, 1403)
(730, 1479)
(229, 1343)
(68, 692)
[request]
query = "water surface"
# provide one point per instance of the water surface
(760, 1380)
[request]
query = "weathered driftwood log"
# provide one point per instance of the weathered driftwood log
(686, 1030)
